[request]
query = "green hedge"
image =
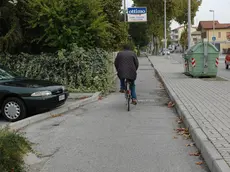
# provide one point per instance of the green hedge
(13, 147)
(78, 69)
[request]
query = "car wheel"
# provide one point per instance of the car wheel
(226, 66)
(13, 109)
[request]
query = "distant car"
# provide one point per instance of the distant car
(171, 50)
(20, 96)
(165, 51)
(227, 61)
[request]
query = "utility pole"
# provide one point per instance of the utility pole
(165, 31)
(213, 25)
(124, 10)
(125, 20)
(189, 23)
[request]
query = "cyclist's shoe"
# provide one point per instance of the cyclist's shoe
(122, 91)
(134, 101)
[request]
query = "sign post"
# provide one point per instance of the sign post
(137, 14)
(213, 38)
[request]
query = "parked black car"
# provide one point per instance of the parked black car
(20, 96)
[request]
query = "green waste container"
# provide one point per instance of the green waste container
(201, 60)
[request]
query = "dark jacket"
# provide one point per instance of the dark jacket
(126, 64)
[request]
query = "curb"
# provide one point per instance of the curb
(212, 157)
(38, 118)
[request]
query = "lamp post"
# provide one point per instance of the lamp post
(165, 27)
(213, 25)
(189, 23)
(124, 10)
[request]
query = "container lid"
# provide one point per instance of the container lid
(199, 48)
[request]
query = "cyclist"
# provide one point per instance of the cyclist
(126, 64)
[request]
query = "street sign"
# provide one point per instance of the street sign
(213, 38)
(137, 14)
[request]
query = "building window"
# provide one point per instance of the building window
(219, 34)
(204, 35)
(228, 36)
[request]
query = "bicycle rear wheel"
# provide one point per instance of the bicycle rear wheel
(128, 97)
(128, 103)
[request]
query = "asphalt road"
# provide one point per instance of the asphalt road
(222, 72)
(105, 137)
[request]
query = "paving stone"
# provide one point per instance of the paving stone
(205, 101)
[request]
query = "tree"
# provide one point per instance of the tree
(65, 22)
(139, 33)
(112, 9)
(176, 9)
(181, 10)
(10, 29)
(184, 38)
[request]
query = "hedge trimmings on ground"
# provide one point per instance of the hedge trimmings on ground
(78, 69)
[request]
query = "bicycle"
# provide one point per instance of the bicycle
(127, 93)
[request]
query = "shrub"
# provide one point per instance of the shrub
(78, 69)
(70, 21)
(13, 147)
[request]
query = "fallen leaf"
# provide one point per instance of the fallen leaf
(186, 132)
(180, 129)
(195, 154)
(56, 115)
(83, 97)
(170, 104)
(186, 136)
(179, 122)
(175, 137)
(191, 144)
(199, 163)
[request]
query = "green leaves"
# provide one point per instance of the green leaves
(181, 10)
(139, 33)
(65, 22)
(184, 37)
(77, 68)
(36, 26)
(10, 30)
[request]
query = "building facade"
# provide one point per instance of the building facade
(196, 37)
(222, 34)
(176, 34)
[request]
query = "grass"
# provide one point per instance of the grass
(13, 147)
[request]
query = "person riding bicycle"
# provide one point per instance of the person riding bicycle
(126, 64)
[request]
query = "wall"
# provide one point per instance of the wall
(222, 38)
(198, 37)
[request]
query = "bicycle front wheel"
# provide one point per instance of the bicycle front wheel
(128, 103)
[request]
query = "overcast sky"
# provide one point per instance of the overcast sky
(221, 8)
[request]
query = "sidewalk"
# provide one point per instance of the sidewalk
(205, 108)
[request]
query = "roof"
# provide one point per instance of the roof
(209, 25)
(196, 33)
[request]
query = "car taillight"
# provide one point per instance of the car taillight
(227, 57)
